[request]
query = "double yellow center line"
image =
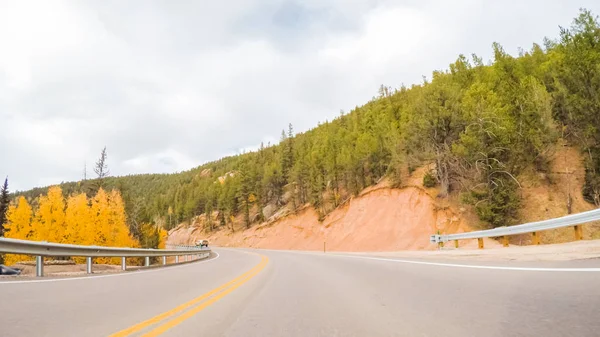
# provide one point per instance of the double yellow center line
(169, 318)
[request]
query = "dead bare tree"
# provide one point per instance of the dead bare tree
(101, 167)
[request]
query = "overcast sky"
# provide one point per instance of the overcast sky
(169, 85)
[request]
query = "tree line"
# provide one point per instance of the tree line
(480, 125)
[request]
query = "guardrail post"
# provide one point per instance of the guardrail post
(177, 259)
(480, 243)
(505, 241)
(39, 266)
(164, 260)
(455, 243)
(578, 232)
(88, 264)
(147, 263)
(536, 238)
(123, 263)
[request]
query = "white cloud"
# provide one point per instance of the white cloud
(169, 160)
(167, 86)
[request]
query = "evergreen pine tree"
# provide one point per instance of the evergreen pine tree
(4, 203)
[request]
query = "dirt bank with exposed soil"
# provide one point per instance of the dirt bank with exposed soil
(389, 219)
(380, 219)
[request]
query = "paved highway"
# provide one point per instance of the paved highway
(281, 293)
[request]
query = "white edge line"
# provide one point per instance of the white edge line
(135, 272)
(471, 266)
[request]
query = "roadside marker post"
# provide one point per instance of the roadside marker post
(578, 232)
(536, 238)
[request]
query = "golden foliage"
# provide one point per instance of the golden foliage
(18, 218)
(49, 218)
(78, 220)
(100, 221)
(162, 238)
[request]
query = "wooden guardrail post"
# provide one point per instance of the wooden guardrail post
(505, 241)
(480, 243)
(536, 238)
(455, 243)
(578, 232)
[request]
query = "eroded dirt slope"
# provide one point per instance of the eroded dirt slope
(380, 219)
(387, 219)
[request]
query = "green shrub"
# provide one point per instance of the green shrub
(499, 206)
(429, 180)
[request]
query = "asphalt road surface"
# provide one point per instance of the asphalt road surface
(281, 293)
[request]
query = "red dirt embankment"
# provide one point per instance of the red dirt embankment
(380, 219)
(386, 219)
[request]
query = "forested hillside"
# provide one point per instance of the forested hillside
(481, 124)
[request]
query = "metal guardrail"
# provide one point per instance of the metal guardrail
(532, 227)
(43, 249)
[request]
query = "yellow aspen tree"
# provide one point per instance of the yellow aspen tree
(99, 233)
(119, 232)
(149, 235)
(163, 234)
(18, 226)
(49, 219)
(78, 220)
(113, 224)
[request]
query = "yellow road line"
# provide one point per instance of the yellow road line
(190, 313)
(156, 319)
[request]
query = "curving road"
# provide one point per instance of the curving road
(282, 293)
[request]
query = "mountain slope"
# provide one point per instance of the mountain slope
(382, 218)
